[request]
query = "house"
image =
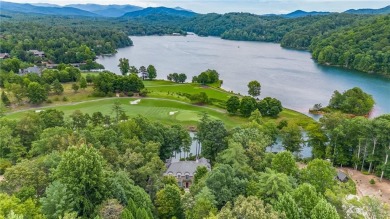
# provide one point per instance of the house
(184, 171)
(37, 53)
(4, 56)
(341, 176)
(34, 69)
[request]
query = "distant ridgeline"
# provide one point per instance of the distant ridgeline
(355, 39)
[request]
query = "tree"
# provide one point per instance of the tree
(75, 87)
(57, 87)
(200, 98)
(53, 139)
(256, 117)
(143, 72)
(287, 205)
(4, 99)
(124, 66)
(270, 186)
(284, 162)
(79, 120)
(13, 206)
(182, 78)
(152, 73)
(200, 172)
(83, 83)
(117, 110)
(254, 88)
(353, 101)
(247, 106)
(292, 138)
(111, 209)
(51, 118)
(249, 208)
(18, 91)
(204, 204)
(206, 77)
(233, 104)
(375, 208)
(133, 70)
(10, 146)
(168, 202)
(324, 210)
(27, 179)
(224, 184)
(306, 198)
(320, 174)
(58, 201)
(211, 134)
(81, 170)
(36, 93)
(270, 106)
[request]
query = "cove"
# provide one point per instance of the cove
(288, 75)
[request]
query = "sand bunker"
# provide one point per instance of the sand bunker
(173, 113)
(135, 102)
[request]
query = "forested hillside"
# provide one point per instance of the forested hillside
(364, 46)
(341, 39)
(63, 40)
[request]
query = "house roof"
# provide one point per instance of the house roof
(186, 167)
(341, 176)
(3, 55)
(37, 52)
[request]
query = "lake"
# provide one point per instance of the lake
(288, 75)
(196, 148)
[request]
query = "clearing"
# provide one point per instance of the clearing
(380, 190)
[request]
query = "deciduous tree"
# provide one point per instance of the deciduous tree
(254, 88)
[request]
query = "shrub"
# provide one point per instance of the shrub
(372, 181)
(4, 164)
(143, 92)
(64, 99)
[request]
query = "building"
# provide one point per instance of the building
(342, 177)
(184, 170)
(34, 69)
(37, 53)
(4, 56)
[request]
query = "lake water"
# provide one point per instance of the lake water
(288, 75)
(196, 149)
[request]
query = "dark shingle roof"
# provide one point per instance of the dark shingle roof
(341, 176)
(186, 167)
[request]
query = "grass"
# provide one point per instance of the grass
(153, 109)
(169, 98)
(158, 88)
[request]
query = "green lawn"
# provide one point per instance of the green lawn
(156, 110)
(167, 88)
(170, 100)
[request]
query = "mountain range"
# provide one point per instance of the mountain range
(107, 10)
(131, 11)
(385, 10)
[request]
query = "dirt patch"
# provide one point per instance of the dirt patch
(380, 190)
(301, 165)
(1, 178)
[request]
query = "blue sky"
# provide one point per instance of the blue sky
(223, 6)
